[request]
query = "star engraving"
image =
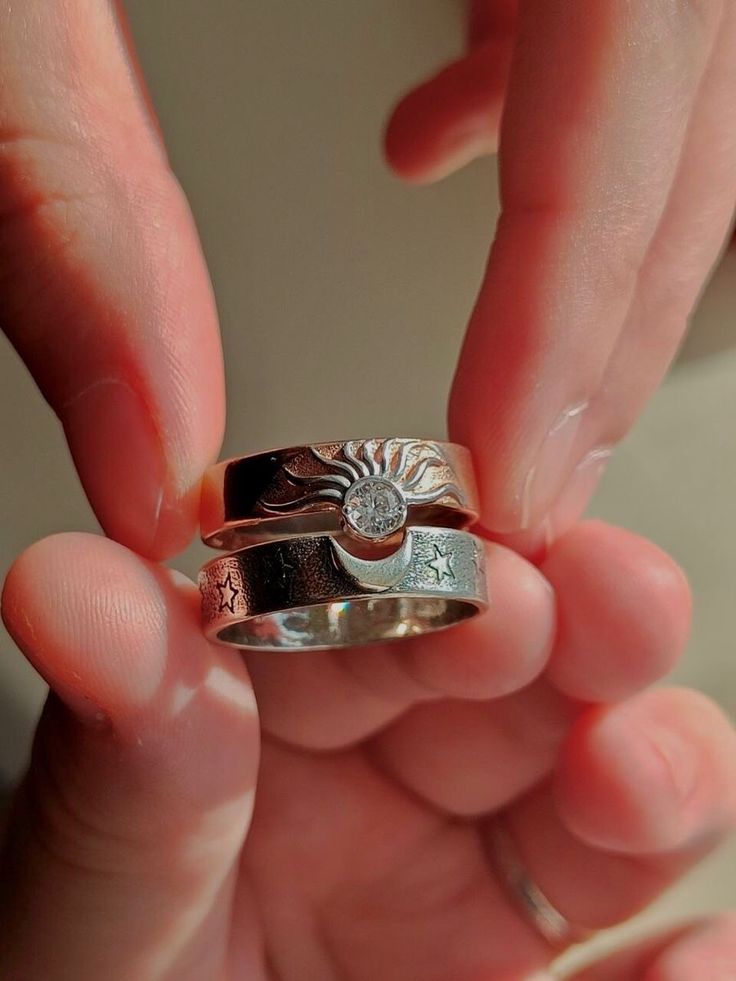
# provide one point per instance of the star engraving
(442, 564)
(228, 594)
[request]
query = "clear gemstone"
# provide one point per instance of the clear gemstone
(374, 507)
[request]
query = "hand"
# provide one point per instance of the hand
(134, 851)
(126, 853)
(617, 156)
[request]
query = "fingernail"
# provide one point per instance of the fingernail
(120, 460)
(579, 490)
(662, 770)
(680, 763)
(532, 543)
(545, 478)
(677, 819)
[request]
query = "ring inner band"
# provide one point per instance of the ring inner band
(346, 623)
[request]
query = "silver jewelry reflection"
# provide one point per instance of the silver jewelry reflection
(311, 592)
(556, 929)
(371, 489)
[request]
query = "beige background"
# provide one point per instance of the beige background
(330, 275)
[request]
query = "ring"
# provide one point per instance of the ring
(370, 489)
(556, 929)
(311, 593)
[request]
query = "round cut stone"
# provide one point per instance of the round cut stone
(374, 507)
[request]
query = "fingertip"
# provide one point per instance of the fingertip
(650, 775)
(624, 610)
(119, 640)
(404, 144)
(687, 951)
(706, 950)
(143, 499)
(449, 119)
(503, 649)
(91, 617)
(412, 157)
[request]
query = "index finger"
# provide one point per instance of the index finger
(102, 282)
(584, 298)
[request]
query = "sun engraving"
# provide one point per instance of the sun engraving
(373, 483)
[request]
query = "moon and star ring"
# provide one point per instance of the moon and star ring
(309, 592)
(346, 543)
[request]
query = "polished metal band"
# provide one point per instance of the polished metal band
(311, 592)
(370, 488)
(556, 929)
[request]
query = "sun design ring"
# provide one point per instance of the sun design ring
(311, 593)
(371, 489)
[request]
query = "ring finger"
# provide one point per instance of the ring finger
(642, 791)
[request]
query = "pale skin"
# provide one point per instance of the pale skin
(137, 847)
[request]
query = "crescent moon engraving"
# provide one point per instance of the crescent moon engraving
(376, 574)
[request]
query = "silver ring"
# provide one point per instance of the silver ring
(369, 488)
(311, 592)
(531, 901)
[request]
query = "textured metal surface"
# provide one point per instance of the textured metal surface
(301, 489)
(311, 592)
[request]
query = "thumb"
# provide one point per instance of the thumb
(121, 852)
